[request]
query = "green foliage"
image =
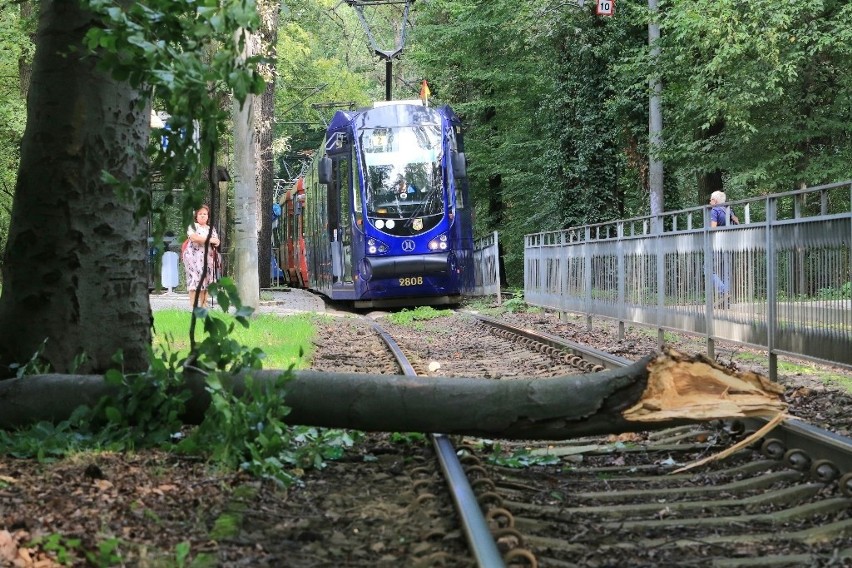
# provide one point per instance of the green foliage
(188, 53)
(15, 47)
(245, 430)
(547, 118)
(555, 103)
(515, 304)
(844, 292)
(407, 438)
(145, 412)
(44, 441)
(773, 77)
(322, 56)
(35, 366)
(182, 554)
(249, 432)
(408, 316)
(70, 551)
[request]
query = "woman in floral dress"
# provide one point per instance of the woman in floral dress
(193, 256)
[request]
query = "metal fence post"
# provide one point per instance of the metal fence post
(497, 266)
(771, 287)
(621, 279)
(709, 322)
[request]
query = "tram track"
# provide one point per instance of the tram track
(782, 501)
(482, 546)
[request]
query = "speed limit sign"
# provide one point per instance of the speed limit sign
(606, 8)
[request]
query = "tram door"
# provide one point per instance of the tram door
(339, 224)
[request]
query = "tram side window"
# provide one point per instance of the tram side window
(338, 200)
(460, 183)
(357, 206)
(317, 212)
(287, 222)
(343, 183)
(298, 219)
(459, 194)
(333, 201)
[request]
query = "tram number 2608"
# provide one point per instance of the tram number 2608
(411, 281)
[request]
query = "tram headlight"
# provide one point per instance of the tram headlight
(439, 243)
(375, 246)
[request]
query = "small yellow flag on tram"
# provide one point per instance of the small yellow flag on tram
(424, 91)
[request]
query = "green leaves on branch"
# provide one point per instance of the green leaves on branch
(245, 431)
(186, 54)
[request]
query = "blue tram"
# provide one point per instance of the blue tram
(383, 217)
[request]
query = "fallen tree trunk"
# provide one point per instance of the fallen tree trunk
(657, 392)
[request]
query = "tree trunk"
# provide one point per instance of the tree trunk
(269, 11)
(76, 257)
(245, 199)
(710, 181)
(654, 393)
(266, 185)
(25, 68)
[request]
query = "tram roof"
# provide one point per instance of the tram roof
(388, 113)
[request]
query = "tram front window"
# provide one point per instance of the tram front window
(404, 185)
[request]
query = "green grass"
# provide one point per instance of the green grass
(410, 316)
(280, 337)
(827, 378)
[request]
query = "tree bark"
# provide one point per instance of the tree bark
(25, 68)
(76, 257)
(266, 186)
(245, 198)
(654, 393)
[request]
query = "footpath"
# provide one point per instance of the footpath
(292, 300)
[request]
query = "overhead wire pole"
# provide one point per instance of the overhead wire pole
(655, 142)
(386, 54)
(655, 115)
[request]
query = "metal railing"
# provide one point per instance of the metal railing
(781, 280)
(486, 265)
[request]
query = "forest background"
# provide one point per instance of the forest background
(757, 98)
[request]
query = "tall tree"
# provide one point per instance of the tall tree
(322, 57)
(763, 86)
(245, 188)
(28, 16)
(76, 255)
(485, 59)
(269, 11)
(16, 48)
(75, 266)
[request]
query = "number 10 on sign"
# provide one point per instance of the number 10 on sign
(606, 8)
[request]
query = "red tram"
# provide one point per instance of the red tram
(291, 251)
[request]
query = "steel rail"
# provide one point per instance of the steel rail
(590, 354)
(806, 446)
(479, 538)
(792, 435)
